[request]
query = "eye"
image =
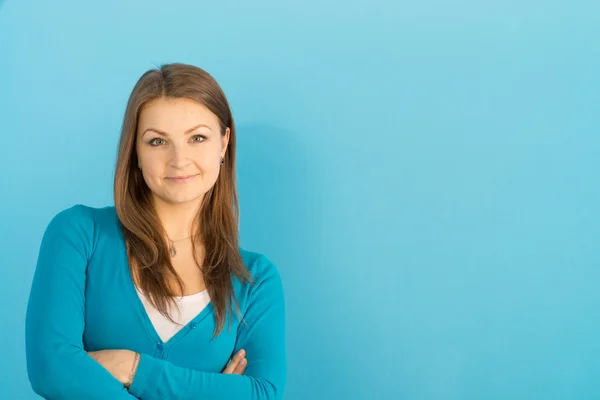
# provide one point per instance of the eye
(199, 137)
(153, 141)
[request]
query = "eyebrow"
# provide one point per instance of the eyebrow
(186, 132)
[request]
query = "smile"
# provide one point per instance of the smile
(182, 179)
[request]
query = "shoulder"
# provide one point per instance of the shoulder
(71, 218)
(83, 216)
(69, 228)
(260, 266)
(266, 287)
(80, 224)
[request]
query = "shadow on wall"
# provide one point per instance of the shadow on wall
(281, 215)
(279, 202)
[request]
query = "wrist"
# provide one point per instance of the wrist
(133, 364)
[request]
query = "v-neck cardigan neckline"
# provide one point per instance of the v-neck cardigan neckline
(136, 302)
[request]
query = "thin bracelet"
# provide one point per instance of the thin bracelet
(133, 370)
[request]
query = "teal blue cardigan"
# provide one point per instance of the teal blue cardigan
(83, 299)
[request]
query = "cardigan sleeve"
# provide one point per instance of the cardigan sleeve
(58, 367)
(263, 338)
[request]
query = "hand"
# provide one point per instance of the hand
(118, 362)
(238, 364)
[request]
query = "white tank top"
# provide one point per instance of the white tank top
(190, 307)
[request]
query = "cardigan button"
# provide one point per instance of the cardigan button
(159, 346)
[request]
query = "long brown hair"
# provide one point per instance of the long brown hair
(217, 218)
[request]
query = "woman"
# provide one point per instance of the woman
(137, 300)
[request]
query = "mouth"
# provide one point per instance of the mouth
(180, 179)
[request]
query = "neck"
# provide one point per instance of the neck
(177, 218)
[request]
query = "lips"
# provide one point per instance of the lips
(180, 177)
(184, 178)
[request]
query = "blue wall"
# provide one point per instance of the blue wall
(424, 174)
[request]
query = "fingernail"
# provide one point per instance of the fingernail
(243, 362)
(241, 352)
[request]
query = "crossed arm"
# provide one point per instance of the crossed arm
(59, 368)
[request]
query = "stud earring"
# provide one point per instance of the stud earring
(222, 160)
(139, 167)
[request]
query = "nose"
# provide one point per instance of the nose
(179, 156)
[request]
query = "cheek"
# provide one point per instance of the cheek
(209, 169)
(154, 170)
(153, 173)
(208, 160)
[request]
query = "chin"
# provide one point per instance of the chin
(181, 198)
(188, 198)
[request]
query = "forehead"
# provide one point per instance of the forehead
(175, 115)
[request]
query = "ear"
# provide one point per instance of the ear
(225, 141)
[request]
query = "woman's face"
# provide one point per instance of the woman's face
(179, 147)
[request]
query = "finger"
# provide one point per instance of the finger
(232, 365)
(241, 367)
(234, 362)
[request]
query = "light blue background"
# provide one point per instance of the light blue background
(424, 174)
